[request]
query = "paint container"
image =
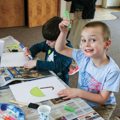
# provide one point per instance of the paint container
(44, 112)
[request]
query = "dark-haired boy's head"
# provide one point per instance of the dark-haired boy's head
(50, 29)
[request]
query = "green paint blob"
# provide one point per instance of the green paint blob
(69, 108)
(36, 92)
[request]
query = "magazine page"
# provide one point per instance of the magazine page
(79, 110)
(10, 74)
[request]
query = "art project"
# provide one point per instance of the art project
(37, 90)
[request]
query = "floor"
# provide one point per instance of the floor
(105, 14)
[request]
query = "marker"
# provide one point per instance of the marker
(24, 49)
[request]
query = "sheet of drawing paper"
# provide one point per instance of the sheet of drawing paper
(37, 90)
(13, 59)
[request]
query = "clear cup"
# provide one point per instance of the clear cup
(1, 48)
(44, 112)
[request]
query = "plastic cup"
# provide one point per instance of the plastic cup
(44, 112)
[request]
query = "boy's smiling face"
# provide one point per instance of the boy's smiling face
(51, 43)
(92, 42)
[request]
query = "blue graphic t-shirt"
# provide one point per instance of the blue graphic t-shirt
(96, 79)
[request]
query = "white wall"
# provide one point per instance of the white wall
(111, 3)
(99, 2)
(108, 2)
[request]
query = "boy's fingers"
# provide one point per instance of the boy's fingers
(27, 52)
(65, 23)
(64, 97)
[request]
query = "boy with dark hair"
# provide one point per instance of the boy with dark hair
(54, 61)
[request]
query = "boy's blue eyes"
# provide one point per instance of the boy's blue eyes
(93, 40)
(90, 40)
(83, 40)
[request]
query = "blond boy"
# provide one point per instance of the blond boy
(99, 75)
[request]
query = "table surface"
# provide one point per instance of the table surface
(83, 110)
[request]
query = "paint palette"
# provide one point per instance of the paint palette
(10, 112)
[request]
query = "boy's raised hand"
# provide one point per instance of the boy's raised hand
(63, 26)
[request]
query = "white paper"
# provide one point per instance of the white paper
(21, 91)
(13, 59)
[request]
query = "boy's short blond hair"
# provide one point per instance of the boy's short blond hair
(105, 28)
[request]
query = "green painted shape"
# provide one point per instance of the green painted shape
(49, 51)
(37, 92)
(69, 108)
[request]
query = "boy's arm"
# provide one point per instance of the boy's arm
(60, 63)
(100, 98)
(78, 93)
(38, 47)
(60, 45)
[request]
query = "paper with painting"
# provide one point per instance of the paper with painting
(37, 90)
